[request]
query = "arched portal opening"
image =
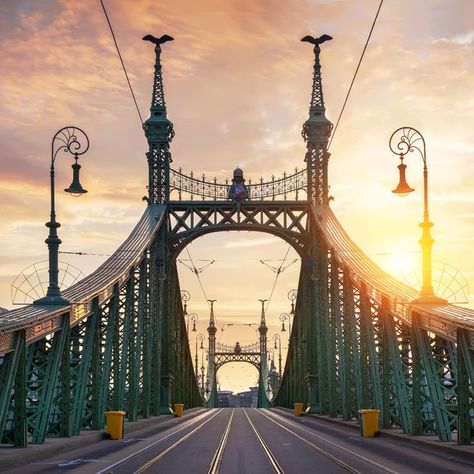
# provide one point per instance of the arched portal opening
(237, 384)
(246, 267)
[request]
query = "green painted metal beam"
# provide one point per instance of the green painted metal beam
(8, 371)
(49, 382)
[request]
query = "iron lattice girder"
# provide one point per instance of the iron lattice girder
(285, 219)
(227, 357)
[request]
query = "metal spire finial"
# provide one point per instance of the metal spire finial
(317, 100)
(158, 97)
(211, 316)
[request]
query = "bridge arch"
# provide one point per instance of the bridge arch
(288, 221)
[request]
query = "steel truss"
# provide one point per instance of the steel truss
(364, 354)
(190, 220)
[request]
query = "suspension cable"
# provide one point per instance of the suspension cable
(355, 74)
(123, 64)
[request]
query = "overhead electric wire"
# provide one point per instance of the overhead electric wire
(355, 74)
(200, 283)
(277, 274)
(121, 60)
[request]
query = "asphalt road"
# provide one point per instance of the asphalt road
(250, 441)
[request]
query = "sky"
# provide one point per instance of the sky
(237, 87)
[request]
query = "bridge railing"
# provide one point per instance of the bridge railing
(254, 348)
(442, 320)
(288, 187)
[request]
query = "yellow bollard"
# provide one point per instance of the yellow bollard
(178, 409)
(369, 422)
(298, 409)
(115, 424)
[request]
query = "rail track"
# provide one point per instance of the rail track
(222, 435)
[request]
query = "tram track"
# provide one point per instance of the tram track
(270, 456)
(155, 459)
(230, 431)
(319, 449)
(217, 459)
(161, 440)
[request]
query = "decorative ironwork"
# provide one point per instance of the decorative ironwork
(253, 348)
(189, 187)
(32, 282)
(191, 220)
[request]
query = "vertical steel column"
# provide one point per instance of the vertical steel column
(335, 329)
(309, 315)
(465, 380)
(416, 388)
(434, 384)
(349, 346)
(124, 368)
(8, 371)
(49, 382)
(20, 423)
(106, 365)
(365, 323)
(394, 376)
(147, 308)
(65, 405)
(368, 329)
(164, 327)
(84, 369)
(135, 353)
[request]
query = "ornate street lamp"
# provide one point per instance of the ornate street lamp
(276, 337)
(191, 317)
(71, 140)
(185, 297)
(402, 141)
(201, 338)
(283, 318)
(292, 294)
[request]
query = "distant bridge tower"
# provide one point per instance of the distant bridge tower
(212, 386)
(263, 368)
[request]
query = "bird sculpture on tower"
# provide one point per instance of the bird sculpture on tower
(316, 41)
(158, 41)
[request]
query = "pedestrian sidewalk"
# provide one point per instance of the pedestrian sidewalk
(428, 441)
(11, 457)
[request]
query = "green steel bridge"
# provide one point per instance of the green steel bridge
(359, 339)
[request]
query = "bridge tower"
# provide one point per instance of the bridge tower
(159, 133)
(212, 401)
(316, 132)
(263, 369)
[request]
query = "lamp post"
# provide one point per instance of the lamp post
(276, 337)
(71, 140)
(402, 141)
(292, 294)
(185, 297)
(201, 338)
(191, 317)
(283, 318)
(202, 372)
